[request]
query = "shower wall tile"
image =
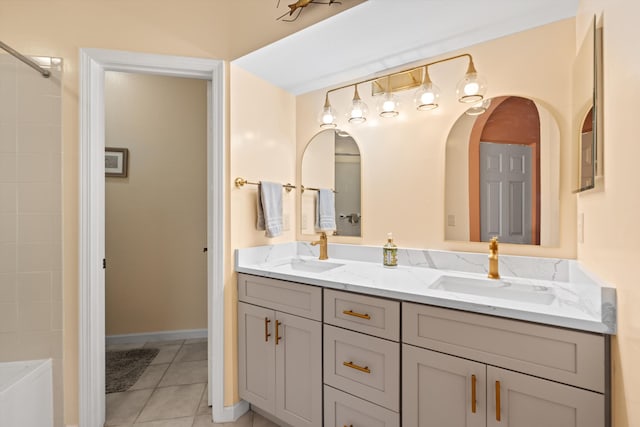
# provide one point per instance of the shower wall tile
(8, 198)
(8, 287)
(8, 231)
(39, 197)
(31, 291)
(35, 167)
(8, 317)
(8, 258)
(43, 110)
(34, 316)
(38, 228)
(35, 138)
(57, 318)
(8, 168)
(8, 137)
(35, 257)
(34, 287)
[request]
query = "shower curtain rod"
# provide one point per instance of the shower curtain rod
(29, 62)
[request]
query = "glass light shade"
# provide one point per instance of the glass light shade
(327, 117)
(471, 88)
(359, 111)
(388, 105)
(426, 97)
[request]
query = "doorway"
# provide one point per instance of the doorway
(93, 65)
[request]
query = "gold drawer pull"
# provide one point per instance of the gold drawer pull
(354, 314)
(352, 365)
(350, 425)
(473, 394)
(497, 400)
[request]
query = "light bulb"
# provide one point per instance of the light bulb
(327, 117)
(388, 106)
(426, 97)
(471, 88)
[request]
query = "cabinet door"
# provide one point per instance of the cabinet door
(437, 390)
(526, 401)
(256, 356)
(298, 371)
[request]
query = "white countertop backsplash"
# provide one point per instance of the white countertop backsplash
(582, 301)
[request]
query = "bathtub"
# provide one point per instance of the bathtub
(26, 394)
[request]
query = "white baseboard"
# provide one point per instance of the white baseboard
(184, 334)
(231, 413)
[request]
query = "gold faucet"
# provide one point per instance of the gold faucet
(323, 246)
(493, 258)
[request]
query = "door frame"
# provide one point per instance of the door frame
(91, 328)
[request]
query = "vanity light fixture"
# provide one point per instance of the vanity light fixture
(427, 95)
(359, 109)
(328, 115)
(471, 89)
(388, 104)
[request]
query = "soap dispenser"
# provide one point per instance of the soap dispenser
(390, 253)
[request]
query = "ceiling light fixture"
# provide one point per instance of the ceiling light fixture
(471, 89)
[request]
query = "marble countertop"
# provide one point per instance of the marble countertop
(566, 294)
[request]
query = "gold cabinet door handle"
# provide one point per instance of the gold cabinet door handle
(266, 329)
(352, 365)
(473, 393)
(278, 338)
(354, 314)
(497, 400)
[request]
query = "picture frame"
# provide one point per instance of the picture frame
(116, 162)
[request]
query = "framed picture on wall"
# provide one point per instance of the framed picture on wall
(116, 162)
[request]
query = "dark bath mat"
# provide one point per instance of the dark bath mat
(124, 367)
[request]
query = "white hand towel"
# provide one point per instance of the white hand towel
(326, 210)
(270, 208)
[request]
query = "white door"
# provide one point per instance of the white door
(505, 192)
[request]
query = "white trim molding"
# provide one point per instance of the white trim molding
(93, 65)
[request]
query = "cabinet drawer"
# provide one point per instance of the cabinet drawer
(370, 315)
(342, 409)
(301, 300)
(362, 365)
(567, 356)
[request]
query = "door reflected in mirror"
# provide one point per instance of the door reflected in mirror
(332, 160)
(502, 174)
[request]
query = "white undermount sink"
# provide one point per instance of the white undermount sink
(496, 288)
(312, 265)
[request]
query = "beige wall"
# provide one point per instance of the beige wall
(611, 232)
(156, 217)
(403, 158)
(262, 130)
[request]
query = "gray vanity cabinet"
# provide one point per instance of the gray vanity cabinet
(554, 377)
(280, 353)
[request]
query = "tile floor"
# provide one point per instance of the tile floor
(172, 391)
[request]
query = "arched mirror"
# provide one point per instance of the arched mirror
(502, 174)
(332, 160)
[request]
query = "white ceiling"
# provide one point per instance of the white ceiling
(381, 34)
